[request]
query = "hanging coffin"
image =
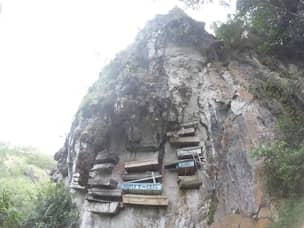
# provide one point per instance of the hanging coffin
(145, 200)
(185, 141)
(182, 132)
(189, 182)
(142, 188)
(109, 208)
(106, 194)
(184, 167)
(102, 183)
(107, 158)
(141, 166)
(104, 168)
(189, 152)
(141, 177)
(189, 124)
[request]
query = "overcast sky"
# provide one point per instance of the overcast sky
(51, 51)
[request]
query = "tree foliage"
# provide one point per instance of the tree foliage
(283, 167)
(284, 159)
(53, 209)
(278, 24)
(9, 214)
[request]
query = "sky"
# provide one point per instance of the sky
(51, 51)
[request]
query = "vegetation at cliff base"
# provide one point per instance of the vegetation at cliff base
(53, 209)
(27, 197)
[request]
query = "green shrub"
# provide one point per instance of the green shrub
(230, 32)
(53, 209)
(9, 215)
(291, 214)
(283, 167)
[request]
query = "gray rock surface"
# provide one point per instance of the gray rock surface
(172, 74)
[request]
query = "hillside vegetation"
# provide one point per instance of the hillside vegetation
(27, 197)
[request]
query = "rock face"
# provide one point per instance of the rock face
(173, 74)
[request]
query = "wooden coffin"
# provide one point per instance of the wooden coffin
(142, 188)
(182, 132)
(189, 152)
(188, 124)
(145, 200)
(141, 166)
(135, 147)
(102, 183)
(147, 179)
(186, 168)
(175, 164)
(146, 176)
(183, 167)
(106, 194)
(189, 182)
(107, 158)
(185, 141)
(91, 198)
(74, 183)
(77, 186)
(76, 175)
(110, 208)
(104, 168)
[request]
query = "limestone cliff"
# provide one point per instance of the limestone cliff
(173, 79)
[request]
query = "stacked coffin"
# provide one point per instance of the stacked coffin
(142, 182)
(75, 182)
(103, 195)
(189, 154)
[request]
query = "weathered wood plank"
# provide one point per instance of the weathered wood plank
(136, 176)
(189, 182)
(142, 188)
(144, 165)
(106, 158)
(106, 194)
(185, 141)
(189, 152)
(102, 183)
(182, 132)
(111, 208)
(145, 200)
